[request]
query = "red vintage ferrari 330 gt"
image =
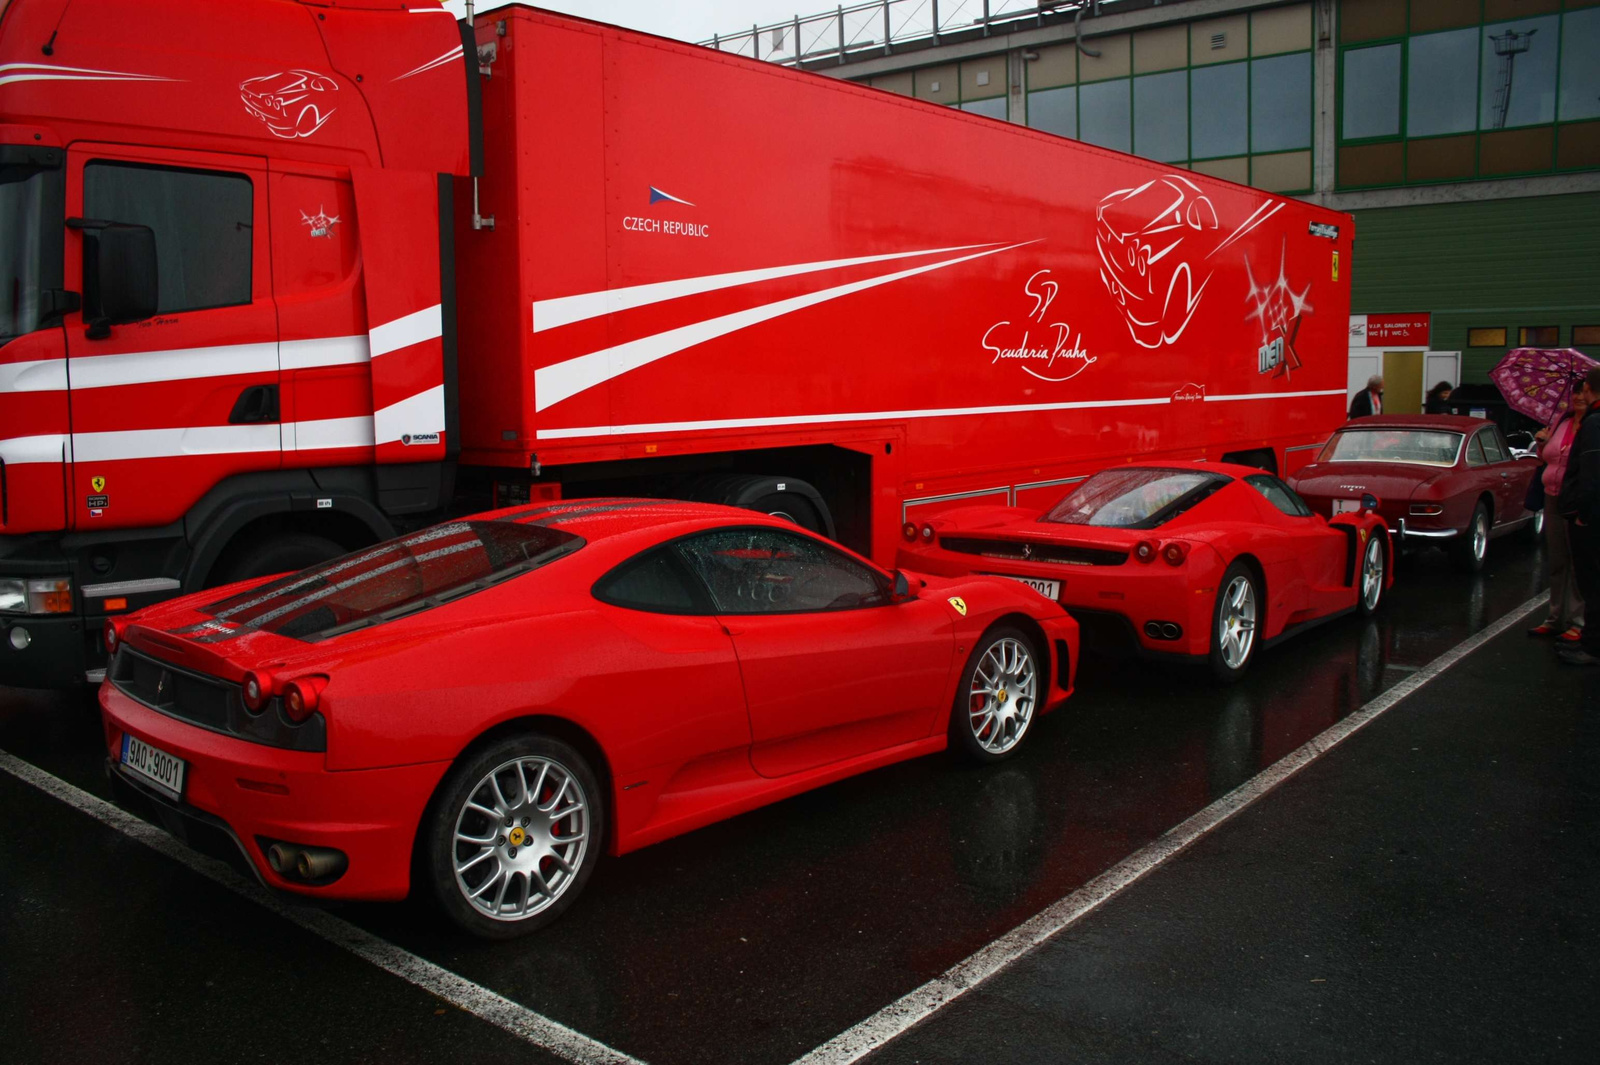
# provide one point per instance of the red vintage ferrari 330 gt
(506, 696)
(1203, 560)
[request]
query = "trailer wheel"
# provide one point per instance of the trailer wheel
(782, 497)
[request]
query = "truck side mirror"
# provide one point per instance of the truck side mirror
(120, 282)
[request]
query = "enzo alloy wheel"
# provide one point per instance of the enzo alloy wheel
(515, 836)
(998, 697)
(1372, 567)
(1238, 612)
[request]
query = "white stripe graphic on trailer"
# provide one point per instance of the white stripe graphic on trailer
(405, 331)
(887, 415)
(562, 380)
(899, 1017)
(433, 64)
(532, 1028)
(20, 72)
(564, 310)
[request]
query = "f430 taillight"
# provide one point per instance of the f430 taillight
(112, 634)
(257, 691)
(301, 697)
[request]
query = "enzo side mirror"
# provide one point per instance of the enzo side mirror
(119, 275)
(1369, 501)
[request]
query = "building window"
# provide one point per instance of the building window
(1161, 116)
(1453, 90)
(1219, 111)
(1054, 110)
(993, 107)
(1493, 337)
(1538, 336)
(1371, 92)
(1441, 83)
(1585, 336)
(1105, 114)
(1280, 103)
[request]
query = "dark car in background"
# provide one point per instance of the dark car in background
(1440, 479)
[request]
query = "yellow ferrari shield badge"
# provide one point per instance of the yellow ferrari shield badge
(98, 483)
(960, 604)
(1363, 537)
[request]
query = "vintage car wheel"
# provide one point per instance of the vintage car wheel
(999, 696)
(1234, 621)
(1534, 530)
(514, 835)
(1473, 544)
(1370, 587)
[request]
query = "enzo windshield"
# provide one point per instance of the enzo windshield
(1134, 498)
(24, 191)
(1423, 447)
(381, 583)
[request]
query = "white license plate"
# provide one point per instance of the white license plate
(1048, 589)
(1345, 506)
(156, 767)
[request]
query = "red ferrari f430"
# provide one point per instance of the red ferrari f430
(1202, 560)
(504, 697)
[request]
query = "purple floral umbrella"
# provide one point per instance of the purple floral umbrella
(1538, 382)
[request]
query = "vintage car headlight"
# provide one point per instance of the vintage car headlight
(39, 595)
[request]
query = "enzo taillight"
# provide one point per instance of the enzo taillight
(927, 534)
(257, 691)
(301, 697)
(1175, 552)
(1144, 551)
(909, 531)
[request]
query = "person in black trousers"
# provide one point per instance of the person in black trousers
(1579, 504)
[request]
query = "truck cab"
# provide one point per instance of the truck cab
(226, 297)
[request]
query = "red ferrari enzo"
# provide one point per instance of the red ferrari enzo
(1204, 560)
(497, 700)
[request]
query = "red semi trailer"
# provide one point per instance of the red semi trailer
(278, 277)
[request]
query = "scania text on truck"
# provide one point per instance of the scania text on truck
(279, 278)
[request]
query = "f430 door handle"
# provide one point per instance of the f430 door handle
(258, 403)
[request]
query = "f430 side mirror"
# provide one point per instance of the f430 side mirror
(902, 588)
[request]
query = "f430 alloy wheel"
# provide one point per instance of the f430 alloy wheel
(998, 697)
(515, 834)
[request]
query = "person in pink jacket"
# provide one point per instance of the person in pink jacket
(1566, 605)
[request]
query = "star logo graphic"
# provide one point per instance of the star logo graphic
(321, 223)
(1278, 308)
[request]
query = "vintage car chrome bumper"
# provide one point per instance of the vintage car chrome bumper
(1403, 533)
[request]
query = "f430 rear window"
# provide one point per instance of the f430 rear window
(395, 578)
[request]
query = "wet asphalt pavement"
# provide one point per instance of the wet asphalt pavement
(1427, 891)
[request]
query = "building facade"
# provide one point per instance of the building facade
(1463, 135)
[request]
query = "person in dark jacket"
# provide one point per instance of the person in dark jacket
(1579, 504)
(1438, 399)
(1369, 400)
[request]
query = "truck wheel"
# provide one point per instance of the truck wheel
(280, 554)
(790, 507)
(1473, 544)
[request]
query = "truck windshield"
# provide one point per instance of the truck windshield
(23, 193)
(1422, 447)
(1134, 497)
(395, 578)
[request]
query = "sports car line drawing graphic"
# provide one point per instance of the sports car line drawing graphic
(1155, 242)
(283, 101)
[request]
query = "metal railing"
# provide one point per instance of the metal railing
(877, 26)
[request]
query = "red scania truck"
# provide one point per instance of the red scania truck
(281, 277)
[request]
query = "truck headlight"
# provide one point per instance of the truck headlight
(37, 595)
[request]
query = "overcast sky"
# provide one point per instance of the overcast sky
(687, 20)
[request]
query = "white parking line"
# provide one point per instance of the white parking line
(912, 1009)
(512, 1017)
